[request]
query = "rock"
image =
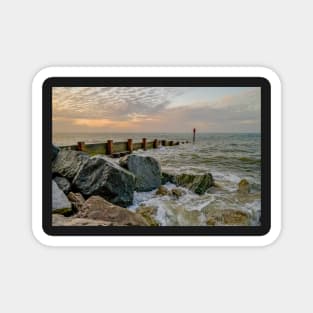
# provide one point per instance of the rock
(77, 200)
(55, 151)
(60, 203)
(123, 161)
(227, 217)
(236, 217)
(167, 178)
(146, 169)
(68, 162)
(63, 184)
(211, 221)
(198, 183)
(177, 192)
(162, 191)
(60, 220)
(244, 186)
(101, 176)
(148, 214)
(97, 208)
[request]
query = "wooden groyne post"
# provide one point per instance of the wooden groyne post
(80, 145)
(194, 136)
(155, 143)
(109, 147)
(144, 143)
(130, 145)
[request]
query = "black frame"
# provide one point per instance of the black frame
(261, 230)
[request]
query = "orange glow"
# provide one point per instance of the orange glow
(101, 123)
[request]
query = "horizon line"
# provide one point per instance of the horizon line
(160, 132)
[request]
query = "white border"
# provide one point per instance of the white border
(45, 239)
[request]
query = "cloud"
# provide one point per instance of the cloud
(150, 109)
(110, 102)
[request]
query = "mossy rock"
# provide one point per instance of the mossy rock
(198, 183)
(63, 211)
(167, 178)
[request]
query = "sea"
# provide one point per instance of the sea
(228, 157)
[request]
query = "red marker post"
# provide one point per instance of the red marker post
(194, 135)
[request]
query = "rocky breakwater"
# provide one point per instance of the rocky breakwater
(96, 191)
(105, 185)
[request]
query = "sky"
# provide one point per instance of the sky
(156, 109)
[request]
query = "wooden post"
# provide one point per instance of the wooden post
(130, 145)
(194, 136)
(171, 143)
(164, 142)
(80, 145)
(109, 146)
(144, 143)
(155, 143)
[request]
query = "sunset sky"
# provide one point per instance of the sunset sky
(156, 109)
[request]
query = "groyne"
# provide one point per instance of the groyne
(118, 149)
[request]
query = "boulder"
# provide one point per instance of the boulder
(68, 162)
(55, 151)
(60, 203)
(97, 208)
(244, 186)
(198, 183)
(77, 200)
(63, 183)
(103, 177)
(146, 169)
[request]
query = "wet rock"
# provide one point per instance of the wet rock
(244, 186)
(77, 200)
(60, 203)
(227, 217)
(162, 191)
(97, 208)
(123, 161)
(177, 192)
(55, 151)
(68, 162)
(148, 214)
(146, 169)
(63, 183)
(198, 183)
(167, 178)
(103, 177)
